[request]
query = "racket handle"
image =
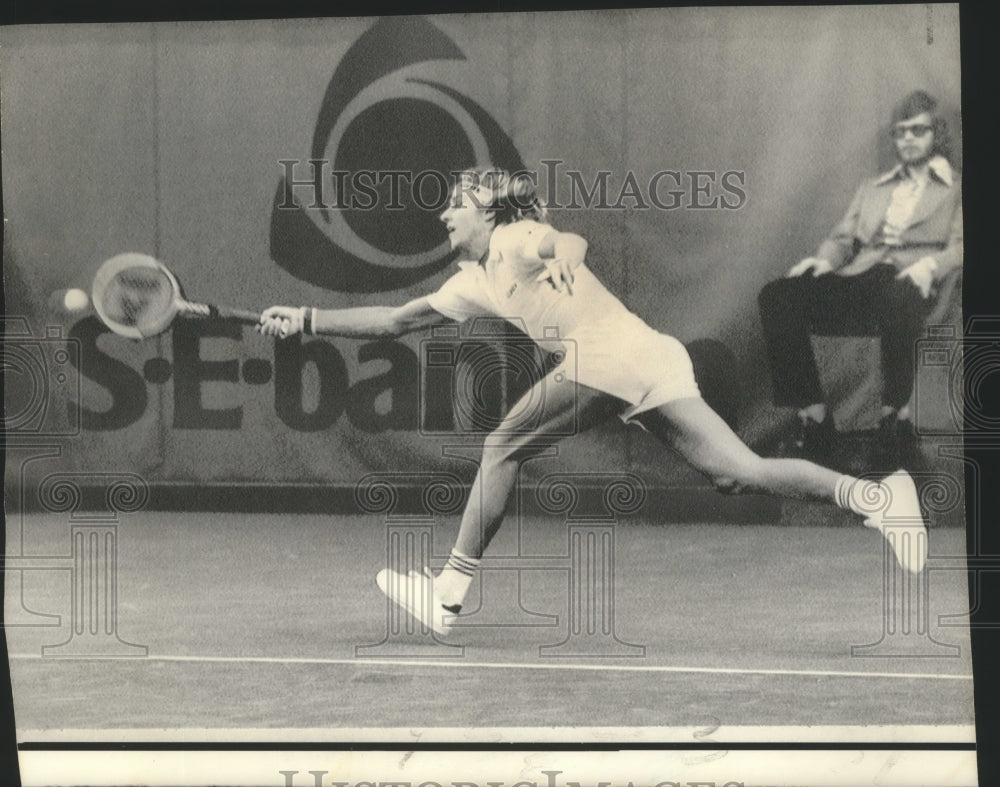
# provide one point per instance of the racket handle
(234, 315)
(212, 312)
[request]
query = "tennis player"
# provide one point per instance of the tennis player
(516, 266)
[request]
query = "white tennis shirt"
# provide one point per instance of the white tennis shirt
(607, 347)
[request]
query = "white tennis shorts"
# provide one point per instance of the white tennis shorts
(628, 359)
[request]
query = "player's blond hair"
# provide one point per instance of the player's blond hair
(512, 197)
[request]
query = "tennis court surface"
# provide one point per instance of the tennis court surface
(266, 622)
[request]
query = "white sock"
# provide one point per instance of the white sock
(453, 582)
(850, 494)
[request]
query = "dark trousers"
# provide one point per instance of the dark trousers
(873, 303)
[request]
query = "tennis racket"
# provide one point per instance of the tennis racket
(137, 296)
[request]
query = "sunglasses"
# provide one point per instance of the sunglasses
(920, 130)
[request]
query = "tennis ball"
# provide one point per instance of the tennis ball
(75, 300)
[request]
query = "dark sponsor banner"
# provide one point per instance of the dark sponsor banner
(420, 397)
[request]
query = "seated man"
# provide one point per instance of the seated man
(874, 275)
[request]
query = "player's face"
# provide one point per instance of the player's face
(914, 138)
(468, 223)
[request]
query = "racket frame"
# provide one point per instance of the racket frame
(178, 306)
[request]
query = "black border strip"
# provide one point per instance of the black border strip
(126, 11)
(492, 747)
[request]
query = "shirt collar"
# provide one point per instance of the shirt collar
(938, 166)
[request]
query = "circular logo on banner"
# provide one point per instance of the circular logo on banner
(383, 152)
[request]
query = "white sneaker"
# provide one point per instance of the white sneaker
(414, 592)
(901, 522)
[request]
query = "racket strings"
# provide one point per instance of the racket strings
(138, 297)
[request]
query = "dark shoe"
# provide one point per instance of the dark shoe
(814, 440)
(897, 444)
(908, 446)
(885, 451)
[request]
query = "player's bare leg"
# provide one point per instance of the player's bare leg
(697, 432)
(546, 414)
(566, 408)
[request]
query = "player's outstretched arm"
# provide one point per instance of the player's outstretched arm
(363, 322)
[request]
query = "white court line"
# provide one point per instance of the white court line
(449, 663)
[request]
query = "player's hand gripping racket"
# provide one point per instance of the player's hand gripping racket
(136, 296)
